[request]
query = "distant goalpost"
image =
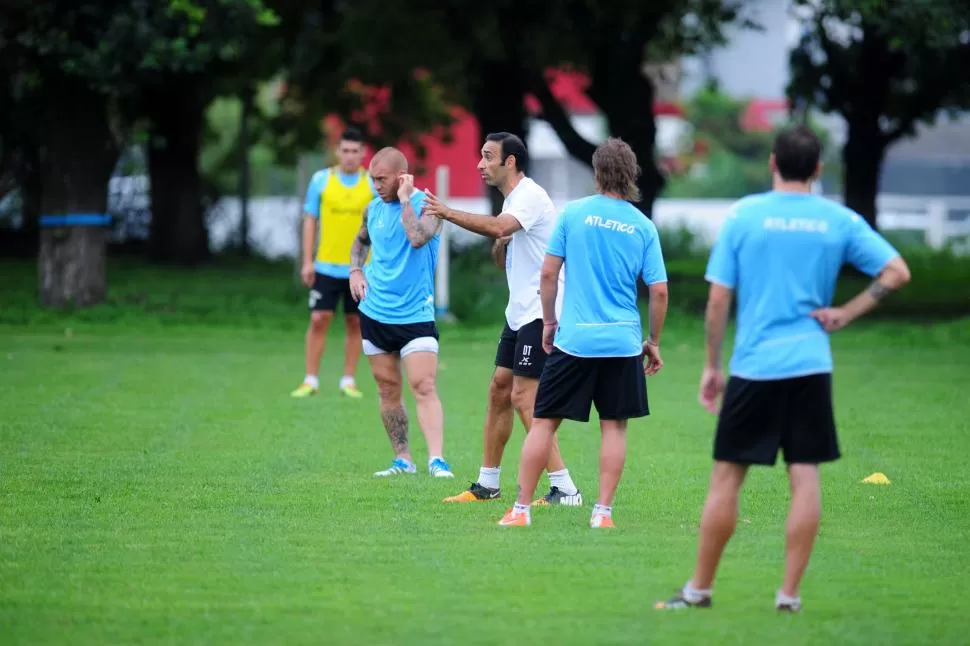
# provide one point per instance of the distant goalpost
(441, 282)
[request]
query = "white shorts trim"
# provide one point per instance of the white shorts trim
(420, 344)
(370, 349)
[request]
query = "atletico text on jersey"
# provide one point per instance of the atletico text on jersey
(607, 244)
(338, 200)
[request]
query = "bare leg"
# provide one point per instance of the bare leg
(352, 345)
(612, 458)
(535, 455)
(422, 369)
(498, 418)
(802, 526)
(524, 400)
(316, 340)
(718, 521)
(387, 374)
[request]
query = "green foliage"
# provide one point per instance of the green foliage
(729, 161)
(898, 62)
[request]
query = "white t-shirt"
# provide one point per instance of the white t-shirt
(531, 206)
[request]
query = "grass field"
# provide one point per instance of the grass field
(160, 487)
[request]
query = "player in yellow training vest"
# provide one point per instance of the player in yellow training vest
(336, 200)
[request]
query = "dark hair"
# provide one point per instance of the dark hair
(616, 170)
(797, 152)
(352, 134)
(512, 146)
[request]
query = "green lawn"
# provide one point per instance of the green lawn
(160, 487)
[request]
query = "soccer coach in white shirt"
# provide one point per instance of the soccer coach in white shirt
(521, 235)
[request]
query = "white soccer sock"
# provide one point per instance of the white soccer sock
(489, 477)
(520, 509)
(601, 510)
(694, 595)
(312, 380)
(563, 481)
(346, 380)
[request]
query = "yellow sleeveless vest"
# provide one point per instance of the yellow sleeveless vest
(341, 213)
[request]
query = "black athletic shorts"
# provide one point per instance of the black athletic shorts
(327, 290)
(570, 386)
(389, 338)
(760, 417)
(521, 351)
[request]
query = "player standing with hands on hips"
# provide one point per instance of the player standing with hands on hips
(397, 315)
(782, 252)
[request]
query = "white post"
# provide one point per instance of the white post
(937, 217)
(444, 252)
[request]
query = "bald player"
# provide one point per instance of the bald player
(397, 316)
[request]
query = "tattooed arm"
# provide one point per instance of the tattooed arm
(361, 246)
(418, 230)
(358, 256)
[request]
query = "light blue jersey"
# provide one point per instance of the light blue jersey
(607, 245)
(782, 253)
(400, 278)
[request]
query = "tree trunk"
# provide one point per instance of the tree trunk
(77, 158)
(499, 106)
(246, 97)
(862, 158)
(178, 231)
(626, 95)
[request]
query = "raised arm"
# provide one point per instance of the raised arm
(418, 230)
(500, 226)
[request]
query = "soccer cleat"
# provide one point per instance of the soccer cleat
(305, 390)
(399, 465)
(351, 391)
(787, 604)
(601, 521)
(679, 602)
(557, 497)
(476, 493)
(513, 519)
(440, 469)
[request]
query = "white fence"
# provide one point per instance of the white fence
(274, 221)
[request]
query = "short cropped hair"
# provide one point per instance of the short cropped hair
(615, 169)
(797, 152)
(352, 134)
(512, 146)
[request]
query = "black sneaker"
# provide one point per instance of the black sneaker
(557, 497)
(476, 493)
(678, 602)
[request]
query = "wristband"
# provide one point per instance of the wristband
(544, 323)
(353, 269)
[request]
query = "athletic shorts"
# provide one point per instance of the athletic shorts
(327, 291)
(521, 350)
(760, 417)
(570, 386)
(389, 338)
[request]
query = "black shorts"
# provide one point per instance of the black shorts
(760, 417)
(389, 338)
(327, 290)
(570, 385)
(521, 351)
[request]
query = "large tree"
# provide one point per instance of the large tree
(884, 67)
(74, 74)
(611, 43)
